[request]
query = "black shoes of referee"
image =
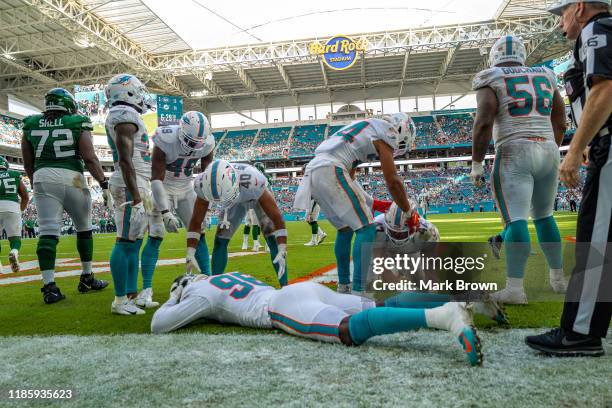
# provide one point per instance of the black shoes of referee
(562, 343)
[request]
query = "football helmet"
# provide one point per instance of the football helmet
(128, 89)
(508, 49)
(195, 134)
(59, 99)
(406, 129)
(179, 284)
(4, 165)
(396, 225)
(218, 184)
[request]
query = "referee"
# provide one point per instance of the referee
(588, 302)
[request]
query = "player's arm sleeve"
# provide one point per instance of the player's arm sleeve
(598, 54)
(172, 315)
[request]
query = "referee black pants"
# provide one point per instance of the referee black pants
(588, 302)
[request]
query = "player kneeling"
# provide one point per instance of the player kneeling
(308, 310)
(236, 188)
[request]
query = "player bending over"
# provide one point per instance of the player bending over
(311, 310)
(524, 112)
(130, 187)
(237, 188)
(14, 200)
(328, 179)
(178, 149)
(57, 145)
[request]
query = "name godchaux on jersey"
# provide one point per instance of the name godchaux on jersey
(522, 70)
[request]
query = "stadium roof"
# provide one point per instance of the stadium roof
(45, 43)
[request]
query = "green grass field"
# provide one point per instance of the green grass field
(110, 360)
(21, 305)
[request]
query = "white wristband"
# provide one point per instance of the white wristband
(193, 235)
(477, 166)
(280, 233)
(191, 251)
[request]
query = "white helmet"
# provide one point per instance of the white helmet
(196, 134)
(508, 49)
(218, 184)
(128, 89)
(179, 284)
(396, 224)
(406, 129)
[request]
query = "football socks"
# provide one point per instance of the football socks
(148, 260)
(362, 254)
(342, 250)
(550, 241)
(384, 320)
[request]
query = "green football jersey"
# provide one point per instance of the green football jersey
(9, 185)
(55, 141)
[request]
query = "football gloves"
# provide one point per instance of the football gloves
(281, 260)
(170, 222)
(477, 174)
(191, 263)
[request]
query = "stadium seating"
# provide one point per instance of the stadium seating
(305, 140)
(10, 131)
(272, 143)
(457, 129)
(236, 145)
(427, 131)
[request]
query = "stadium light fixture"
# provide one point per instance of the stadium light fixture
(9, 57)
(83, 42)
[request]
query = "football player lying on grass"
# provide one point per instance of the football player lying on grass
(236, 188)
(313, 311)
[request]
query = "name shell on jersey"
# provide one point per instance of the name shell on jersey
(55, 141)
(353, 144)
(252, 183)
(234, 298)
(141, 158)
(525, 101)
(9, 186)
(179, 166)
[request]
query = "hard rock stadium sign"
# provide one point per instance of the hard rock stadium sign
(339, 52)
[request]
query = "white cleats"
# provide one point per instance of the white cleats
(510, 296)
(558, 283)
(126, 307)
(321, 237)
(310, 243)
(492, 309)
(2, 272)
(145, 299)
(256, 246)
(344, 288)
(14, 260)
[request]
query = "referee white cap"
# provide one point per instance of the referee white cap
(558, 8)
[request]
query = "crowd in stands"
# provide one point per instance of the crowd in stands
(272, 143)
(306, 139)
(236, 145)
(10, 131)
(456, 129)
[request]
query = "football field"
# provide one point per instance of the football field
(78, 344)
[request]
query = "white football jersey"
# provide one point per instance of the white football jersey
(252, 183)
(233, 298)
(142, 155)
(353, 144)
(179, 166)
(525, 101)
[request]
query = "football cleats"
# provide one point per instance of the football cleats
(195, 134)
(127, 89)
(59, 99)
(508, 49)
(4, 165)
(218, 184)
(406, 129)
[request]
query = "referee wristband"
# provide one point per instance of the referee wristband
(193, 235)
(280, 233)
